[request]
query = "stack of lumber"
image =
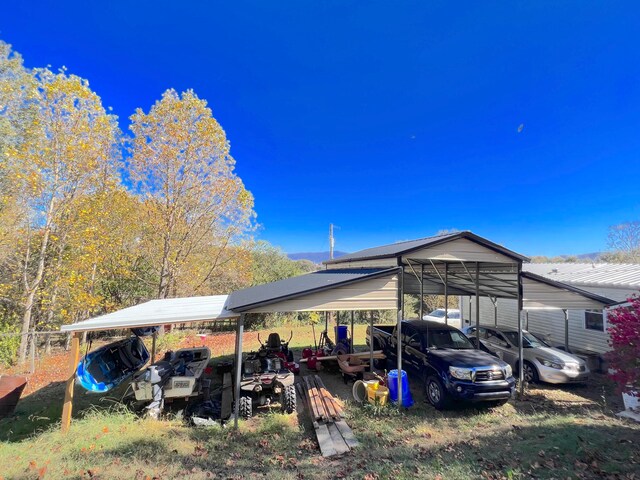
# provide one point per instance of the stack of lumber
(333, 434)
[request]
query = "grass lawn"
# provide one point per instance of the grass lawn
(569, 432)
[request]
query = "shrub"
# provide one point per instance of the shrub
(624, 339)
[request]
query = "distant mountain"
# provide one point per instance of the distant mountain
(315, 257)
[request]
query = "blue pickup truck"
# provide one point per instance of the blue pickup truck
(448, 364)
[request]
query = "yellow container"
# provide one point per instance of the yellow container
(372, 387)
(382, 394)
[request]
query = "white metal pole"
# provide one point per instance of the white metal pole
(399, 334)
(238, 372)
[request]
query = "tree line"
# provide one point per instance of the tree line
(93, 219)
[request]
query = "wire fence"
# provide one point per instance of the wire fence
(39, 343)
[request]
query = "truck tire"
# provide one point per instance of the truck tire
(246, 407)
(288, 400)
(436, 393)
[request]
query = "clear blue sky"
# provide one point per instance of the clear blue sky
(390, 119)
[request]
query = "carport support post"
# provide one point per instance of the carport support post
(566, 329)
(520, 348)
(446, 294)
(421, 291)
(153, 346)
(71, 381)
(238, 372)
(351, 345)
(399, 333)
(477, 305)
(371, 342)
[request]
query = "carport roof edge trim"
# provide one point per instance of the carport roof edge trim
(374, 253)
(263, 298)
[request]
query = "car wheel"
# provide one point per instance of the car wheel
(530, 372)
(435, 392)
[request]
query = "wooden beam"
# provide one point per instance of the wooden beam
(71, 381)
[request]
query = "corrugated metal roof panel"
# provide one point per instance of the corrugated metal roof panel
(158, 312)
(249, 298)
(603, 274)
(400, 248)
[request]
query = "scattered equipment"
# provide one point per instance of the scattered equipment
(265, 378)
(177, 376)
(275, 346)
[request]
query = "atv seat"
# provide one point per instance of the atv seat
(273, 342)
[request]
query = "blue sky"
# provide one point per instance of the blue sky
(392, 120)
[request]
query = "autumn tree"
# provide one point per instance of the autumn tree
(68, 150)
(17, 88)
(197, 208)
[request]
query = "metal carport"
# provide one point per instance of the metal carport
(460, 263)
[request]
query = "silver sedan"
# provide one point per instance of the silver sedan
(541, 361)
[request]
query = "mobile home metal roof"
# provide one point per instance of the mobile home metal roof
(402, 248)
(597, 274)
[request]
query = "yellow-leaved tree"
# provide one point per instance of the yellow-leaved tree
(69, 149)
(197, 209)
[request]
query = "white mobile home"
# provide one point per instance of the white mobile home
(587, 328)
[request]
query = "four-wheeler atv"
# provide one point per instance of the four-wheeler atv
(280, 348)
(265, 379)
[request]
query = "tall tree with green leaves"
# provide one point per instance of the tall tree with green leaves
(197, 208)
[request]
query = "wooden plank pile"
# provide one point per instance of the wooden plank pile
(333, 434)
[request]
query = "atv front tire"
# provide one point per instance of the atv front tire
(246, 407)
(288, 400)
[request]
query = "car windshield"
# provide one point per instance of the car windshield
(437, 313)
(454, 314)
(447, 339)
(528, 340)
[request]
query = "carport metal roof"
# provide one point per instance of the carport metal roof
(158, 312)
(407, 248)
(324, 290)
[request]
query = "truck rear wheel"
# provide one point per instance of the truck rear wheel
(246, 407)
(288, 400)
(436, 393)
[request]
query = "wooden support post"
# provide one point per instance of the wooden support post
(71, 381)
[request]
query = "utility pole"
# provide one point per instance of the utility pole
(331, 241)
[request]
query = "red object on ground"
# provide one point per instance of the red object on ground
(312, 363)
(11, 388)
(307, 353)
